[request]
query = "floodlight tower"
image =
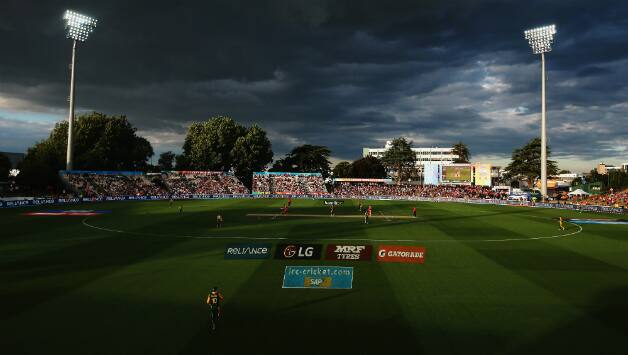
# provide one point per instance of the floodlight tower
(79, 27)
(540, 40)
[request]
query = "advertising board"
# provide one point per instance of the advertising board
(321, 277)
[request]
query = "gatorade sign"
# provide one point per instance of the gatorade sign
(400, 254)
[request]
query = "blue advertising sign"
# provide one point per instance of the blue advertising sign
(248, 250)
(325, 277)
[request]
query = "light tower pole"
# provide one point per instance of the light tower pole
(79, 27)
(540, 40)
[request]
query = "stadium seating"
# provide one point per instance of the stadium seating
(203, 182)
(114, 184)
(95, 184)
(369, 189)
(277, 183)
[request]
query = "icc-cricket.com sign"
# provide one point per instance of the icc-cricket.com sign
(322, 277)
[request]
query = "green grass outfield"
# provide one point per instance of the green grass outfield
(496, 280)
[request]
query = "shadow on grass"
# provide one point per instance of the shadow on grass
(603, 330)
(573, 277)
(262, 317)
(28, 282)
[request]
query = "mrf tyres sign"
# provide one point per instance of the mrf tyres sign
(349, 252)
(400, 254)
(298, 251)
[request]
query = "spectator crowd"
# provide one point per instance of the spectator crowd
(204, 183)
(288, 184)
(613, 199)
(101, 185)
(174, 183)
(94, 184)
(353, 189)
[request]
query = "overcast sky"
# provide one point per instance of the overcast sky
(345, 74)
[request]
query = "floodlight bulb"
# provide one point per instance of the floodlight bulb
(540, 38)
(79, 26)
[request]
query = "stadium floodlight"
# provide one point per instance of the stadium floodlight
(541, 39)
(79, 27)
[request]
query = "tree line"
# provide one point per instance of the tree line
(221, 144)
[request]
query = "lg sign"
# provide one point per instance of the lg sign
(298, 251)
(292, 250)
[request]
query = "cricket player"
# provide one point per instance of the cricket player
(218, 220)
(561, 223)
(414, 212)
(213, 300)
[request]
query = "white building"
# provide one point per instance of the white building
(444, 155)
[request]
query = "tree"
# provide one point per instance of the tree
(102, 143)
(617, 180)
(306, 159)
(166, 160)
(368, 168)
(251, 152)
(526, 161)
(5, 167)
(462, 151)
(400, 158)
(222, 144)
(208, 144)
(342, 170)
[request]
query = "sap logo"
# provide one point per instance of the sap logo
(316, 282)
(356, 249)
(291, 251)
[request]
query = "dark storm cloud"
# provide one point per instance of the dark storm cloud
(345, 74)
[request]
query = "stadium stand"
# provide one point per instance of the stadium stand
(614, 199)
(277, 183)
(371, 189)
(97, 184)
(111, 183)
(115, 183)
(203, 182)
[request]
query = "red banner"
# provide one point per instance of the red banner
(400, 254)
